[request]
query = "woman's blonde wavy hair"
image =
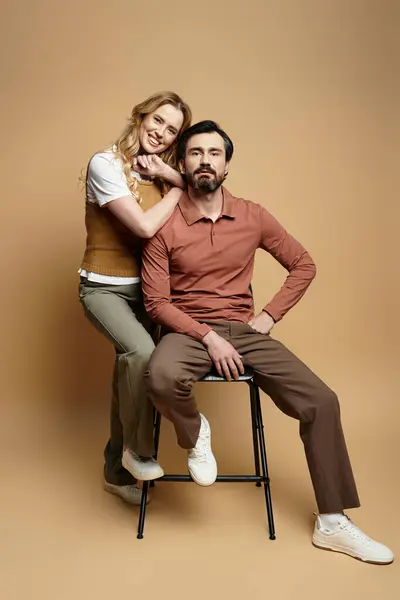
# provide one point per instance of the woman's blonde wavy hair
(127, 146)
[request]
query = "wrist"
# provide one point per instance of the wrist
(269, 314)
(207, 339)
(165, 172)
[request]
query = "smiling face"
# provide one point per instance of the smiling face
(205, 162)
(159, 129)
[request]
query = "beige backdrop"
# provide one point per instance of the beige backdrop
(308, 92)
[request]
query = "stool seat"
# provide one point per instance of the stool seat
(213, 376)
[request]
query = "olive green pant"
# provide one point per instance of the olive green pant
(118, 313)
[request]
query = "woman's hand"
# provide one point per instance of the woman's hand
(150, 165)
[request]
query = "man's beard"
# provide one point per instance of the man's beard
(204, 183)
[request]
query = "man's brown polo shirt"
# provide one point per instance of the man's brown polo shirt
(195, 270)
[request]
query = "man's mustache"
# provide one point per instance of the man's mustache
(205, 169)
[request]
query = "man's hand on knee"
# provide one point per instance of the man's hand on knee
(226, 359)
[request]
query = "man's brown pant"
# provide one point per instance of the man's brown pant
(179, 361)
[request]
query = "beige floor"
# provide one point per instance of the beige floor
(63, 538)
(309, 92)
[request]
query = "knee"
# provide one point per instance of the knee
(163, 380)
(324, 405)
(159, 379)
(328, 403)
(137, 359)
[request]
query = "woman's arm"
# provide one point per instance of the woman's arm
(174, 177)
(144, 223)
(106, 183)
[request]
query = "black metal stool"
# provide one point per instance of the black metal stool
(258, 447)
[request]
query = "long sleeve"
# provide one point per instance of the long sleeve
(293, 257)
(157, 292)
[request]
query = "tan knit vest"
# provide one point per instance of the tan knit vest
(111, 248)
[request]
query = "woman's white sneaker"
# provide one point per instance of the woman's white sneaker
(130, 493)
(141, 468)
(345, 537)
(201, 462)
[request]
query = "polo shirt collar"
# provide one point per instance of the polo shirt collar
(191, 214)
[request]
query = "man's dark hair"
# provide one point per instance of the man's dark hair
(204, 127)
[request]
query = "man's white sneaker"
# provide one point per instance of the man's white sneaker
(201, 462)
(130, 493)
(345, 537)
(142, 468)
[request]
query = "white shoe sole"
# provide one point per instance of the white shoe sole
(348, 552)
(138, 475)
(199, 482)
(113, 489)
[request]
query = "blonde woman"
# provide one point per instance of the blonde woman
(127, 199)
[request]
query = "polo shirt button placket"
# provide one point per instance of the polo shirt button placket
(212, 233)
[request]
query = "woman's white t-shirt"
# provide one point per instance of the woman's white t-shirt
(106, 182)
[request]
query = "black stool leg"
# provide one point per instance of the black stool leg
(264, 464)
(142, 513)
(145, 488)
(253, 406)
(157, 424)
